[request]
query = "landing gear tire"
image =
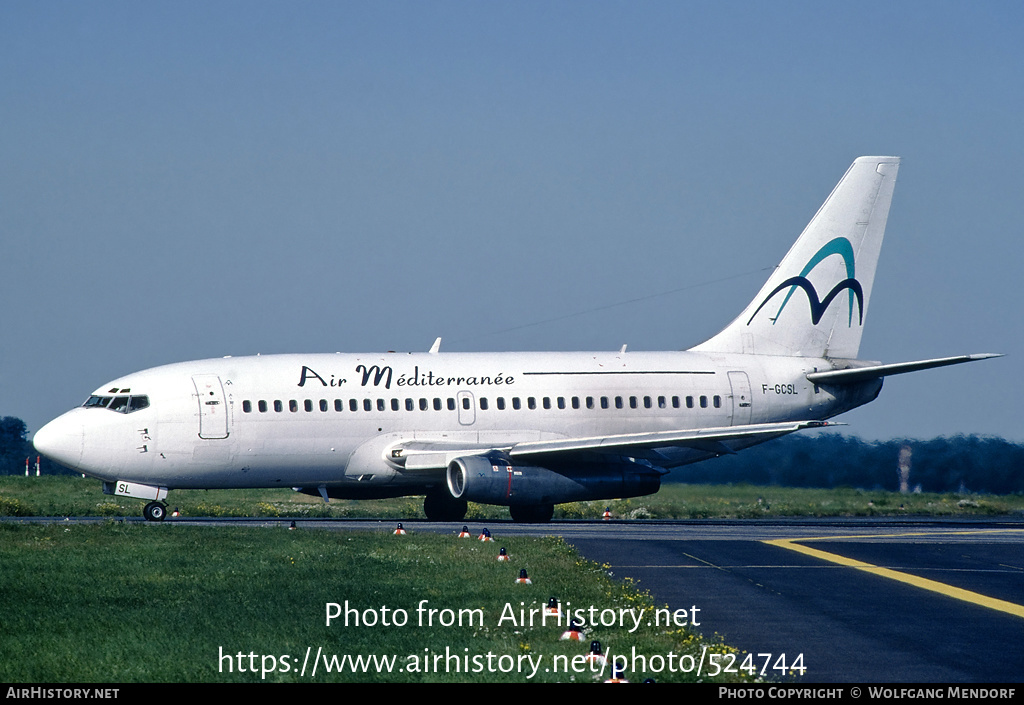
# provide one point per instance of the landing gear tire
(154, 511)
(441, 506)
(532, 513)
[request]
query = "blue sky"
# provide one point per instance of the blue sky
(187, 180)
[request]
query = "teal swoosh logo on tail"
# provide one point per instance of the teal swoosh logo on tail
(839, 246)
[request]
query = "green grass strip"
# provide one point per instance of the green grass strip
(123, 603)
(74, 496)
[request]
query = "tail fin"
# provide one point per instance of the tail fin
(815, 303)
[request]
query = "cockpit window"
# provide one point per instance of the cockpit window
(120, 404)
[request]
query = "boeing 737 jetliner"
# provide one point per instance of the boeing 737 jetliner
(524, 430)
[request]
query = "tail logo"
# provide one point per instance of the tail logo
(839, 246)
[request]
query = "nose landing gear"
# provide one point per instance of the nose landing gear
(155, 511)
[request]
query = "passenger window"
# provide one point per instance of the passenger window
(465, 403)
(501, 403)
(531, 403)
(247, 406)
(618, 402)
(410, 405)
(423, 404)
(575, 402)
(661, 403)
(353, 405)
(675, 402)
(278, 406)
(590, 402)
(647, 403)
(547, 402)
(262, 406)
(604, 402)
(451, 404)
(380, 405)
(338, 406)
(483, 403)
(395, 406)
(717, 401)
(323, 405)
(293, 405)
(367, 405)
(703, 402)
(516, 404)
(689, 402)
(437, 404)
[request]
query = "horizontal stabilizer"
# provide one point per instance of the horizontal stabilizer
(861, 374)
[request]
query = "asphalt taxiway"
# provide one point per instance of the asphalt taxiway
(927, 603)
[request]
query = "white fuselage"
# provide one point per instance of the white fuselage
(330, 419)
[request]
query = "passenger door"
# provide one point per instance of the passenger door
(213, 411)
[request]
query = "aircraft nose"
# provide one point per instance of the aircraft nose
(61, 440)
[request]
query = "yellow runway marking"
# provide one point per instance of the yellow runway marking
(907, 578)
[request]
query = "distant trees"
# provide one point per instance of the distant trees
(14, 448)
(972, 463)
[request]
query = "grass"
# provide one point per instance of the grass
(75, 496)
(125, 603)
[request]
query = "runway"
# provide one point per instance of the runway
(861, 600)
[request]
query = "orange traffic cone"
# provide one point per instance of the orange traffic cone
(573, 633)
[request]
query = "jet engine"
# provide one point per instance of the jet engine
(496, 480)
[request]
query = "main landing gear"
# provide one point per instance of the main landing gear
(438, 505)
(532, 513)
(155, 511)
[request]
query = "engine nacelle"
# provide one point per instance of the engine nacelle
(493, 480)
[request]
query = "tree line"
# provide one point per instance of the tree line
(15, 448)
(946, 464)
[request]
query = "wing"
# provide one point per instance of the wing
(659, 447)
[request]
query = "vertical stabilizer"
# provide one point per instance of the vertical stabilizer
(816, 301)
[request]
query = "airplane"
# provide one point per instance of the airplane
(525, 430)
